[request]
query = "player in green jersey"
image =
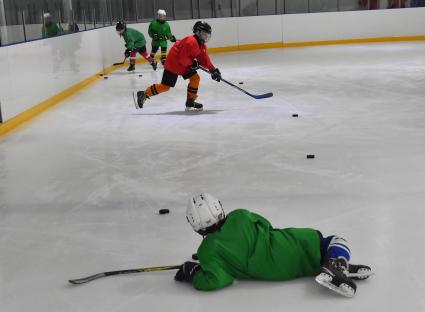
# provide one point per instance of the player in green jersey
(135, 43)
(160, 31)
(244, 245)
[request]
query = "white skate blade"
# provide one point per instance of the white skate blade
(361, 274)
(344, 290)
(192, 109)
(135, 100)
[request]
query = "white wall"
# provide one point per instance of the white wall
(353, 24)
(34, 71)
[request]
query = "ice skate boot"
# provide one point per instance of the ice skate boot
(359, 271)
(132, 67)
(141, 99)
(154, 65)
(334, 276)
(191, 105)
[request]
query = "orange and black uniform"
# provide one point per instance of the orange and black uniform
(179, 60)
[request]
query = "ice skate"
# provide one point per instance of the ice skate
(334, 276)
(359, 271)
(132, 67)
(141, 99)
(154, 65)
(191, 105)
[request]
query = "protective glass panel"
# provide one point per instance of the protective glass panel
(183, 9)
(296, 6)
(248, 7)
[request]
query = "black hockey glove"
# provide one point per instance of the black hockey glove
(187, 271)
(216, 75)
(127, 53)
(173, 39)
(195, 66)
(155, 37)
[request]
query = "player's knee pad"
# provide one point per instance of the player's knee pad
(337, 247)
(194, 80)
(163, 88)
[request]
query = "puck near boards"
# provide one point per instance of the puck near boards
(310, 156)
(164, 211)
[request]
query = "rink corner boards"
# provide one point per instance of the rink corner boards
(34, 111)
(31, 113)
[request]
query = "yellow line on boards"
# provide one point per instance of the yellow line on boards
(36, 110)
(29, 114)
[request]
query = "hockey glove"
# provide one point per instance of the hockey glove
(127, 53)
(173, 39)
(155, 37)
(195, 66)
(215, 74)
(187, 271)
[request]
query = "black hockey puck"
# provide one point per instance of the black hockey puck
(294, 115)
(310, 156)
(195, 256)
(140, 75)
(240, 82)
(106, 77)
(164, 211)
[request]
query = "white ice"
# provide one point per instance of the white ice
(81, 185)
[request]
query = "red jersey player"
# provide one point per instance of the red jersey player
(184, 59)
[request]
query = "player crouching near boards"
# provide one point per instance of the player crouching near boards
(245, 245)
(160, 32)
(134, 42)
(184, 59)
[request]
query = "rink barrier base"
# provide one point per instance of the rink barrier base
(36, 110)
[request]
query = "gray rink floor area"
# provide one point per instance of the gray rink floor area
(81, 185)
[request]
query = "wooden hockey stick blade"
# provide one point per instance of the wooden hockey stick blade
(121, 63)
(90, 278)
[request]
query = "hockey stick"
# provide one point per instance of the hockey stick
(122, 63)
(257, 97)
(83, 280)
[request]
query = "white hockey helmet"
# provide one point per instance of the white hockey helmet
(161, 14)
(204, 211)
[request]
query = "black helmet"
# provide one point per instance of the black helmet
(120, 26)
(201, 26)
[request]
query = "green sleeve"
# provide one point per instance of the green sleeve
(150, 30)
(169, 35)
(130, 43)
(129, 38)
(212, 276)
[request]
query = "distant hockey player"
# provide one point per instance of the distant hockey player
(184, 59)
(244, 245)
(50, 28)
(160, 32)
(134, 42)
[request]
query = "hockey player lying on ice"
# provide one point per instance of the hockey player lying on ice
(245, 245)
(184, 59)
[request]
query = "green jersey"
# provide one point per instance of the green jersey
(162, 30)
(50, 30)
(134, 39)
(247, 246)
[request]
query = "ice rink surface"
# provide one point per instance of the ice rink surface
(81, 185)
